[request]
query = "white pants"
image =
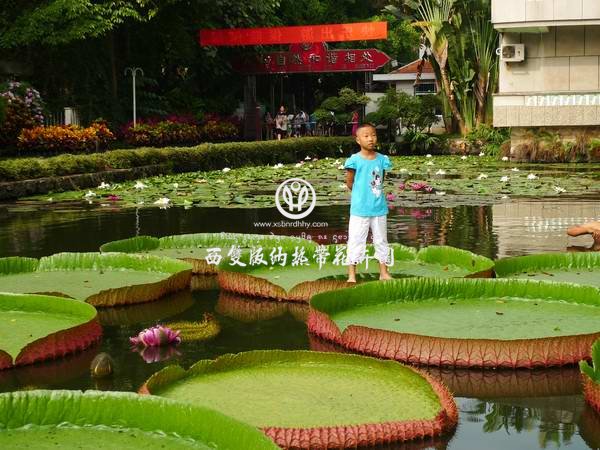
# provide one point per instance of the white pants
(358, 229)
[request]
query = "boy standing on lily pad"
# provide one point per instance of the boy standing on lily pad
(365, 173)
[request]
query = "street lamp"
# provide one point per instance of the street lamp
(134, 71)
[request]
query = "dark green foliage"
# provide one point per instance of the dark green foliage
(202, 157)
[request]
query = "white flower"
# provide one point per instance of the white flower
(343, 187)
(341, 167)
(201, 180)
(463, 157)
(326, 158)
(49, 199)
(226, 169)
(315, 159)
(139, 185)
(298, 164)
(429, 163)
(440, 193)
(482, 176)
(307, 158)
(559, 190)
(104, 185)
(175, 185)
(505, 158)
(428, 155)
(532, 176)
(514, 169)
(504, 197)
(163, 201)
(441, 172)
(219, 181)
(505, 179)
(278, 166)
(89, 194)
(403, 170)
(481, 154)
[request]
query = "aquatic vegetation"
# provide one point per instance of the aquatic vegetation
(109, 420)
(288, 395)
(101, 279)
(255, 186)
(304, 273)
(156, 336)
(462, 323)
(579, 268)
(38, 327)
(591, 377)
(203, 330)
(102, 366)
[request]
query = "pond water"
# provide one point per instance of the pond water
(498, 409)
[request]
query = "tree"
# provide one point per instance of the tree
(415, 113)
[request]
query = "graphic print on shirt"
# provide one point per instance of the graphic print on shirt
(376, 187)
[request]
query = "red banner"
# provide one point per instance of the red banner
(362, 31)
(307, 58)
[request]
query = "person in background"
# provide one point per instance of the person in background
(354, 122)
(269, 125)
(281, 123)
(290, 122)
(297, 122)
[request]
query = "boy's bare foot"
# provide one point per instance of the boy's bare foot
(385, 277)
(383, 272)
(351, 281)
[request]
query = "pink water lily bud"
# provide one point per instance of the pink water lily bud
(156, 336)
(390, 197)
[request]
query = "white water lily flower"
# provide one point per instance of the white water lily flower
(341, 167)
(308, 158)
(298, 164)
(505, 179)
(482, 176)
(326, 158)
(49, 199)
(559, 190)
(505, 158)
(428, 155)
(220, 181)
(440, 193)
(343, 187)
(139, 185)
(403, 170)
(514, 169)
(163, 201)
(176, 185)
(278, 166)
(441, 172)
(463, 157)
(202, 180)
(481, 154)
(429, 163)
(504, 197)
(226, 169)
(90, 194)
(532, 176)
(104, 185)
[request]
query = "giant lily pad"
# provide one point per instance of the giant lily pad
(591, 378)
(108, 279)
(463, 323)
(315, 400)
(101, 420)
(36, 327)
(193, 248)
(580, 268)
(300, 282)
(250, 309)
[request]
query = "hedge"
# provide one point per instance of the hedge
(180, 159)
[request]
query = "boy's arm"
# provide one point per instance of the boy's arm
(350, 178)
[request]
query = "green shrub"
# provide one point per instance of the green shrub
(180, 159)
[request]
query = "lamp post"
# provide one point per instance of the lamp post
(134, 71)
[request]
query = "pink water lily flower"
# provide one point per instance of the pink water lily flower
(391, 197)
(156, 337)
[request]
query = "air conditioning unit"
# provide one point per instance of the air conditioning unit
(513, 53)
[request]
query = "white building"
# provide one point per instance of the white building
(550, 65)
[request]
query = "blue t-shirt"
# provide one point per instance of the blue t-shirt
(368, 198)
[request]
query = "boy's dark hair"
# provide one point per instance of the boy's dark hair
(365, 125)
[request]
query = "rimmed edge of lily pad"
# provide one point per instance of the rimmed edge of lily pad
(60, 343)
(197, 240)
(128, 410)
(454, 352)
(591, 377)
(251, 309)
(343, 436)
(179, 278)
(241, 281)
(507, 267)
(489, 384)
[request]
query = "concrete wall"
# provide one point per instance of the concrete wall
(515, 11)
(557, 84)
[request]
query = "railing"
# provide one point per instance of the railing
(65, 116)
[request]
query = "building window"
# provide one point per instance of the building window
(425, 89)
